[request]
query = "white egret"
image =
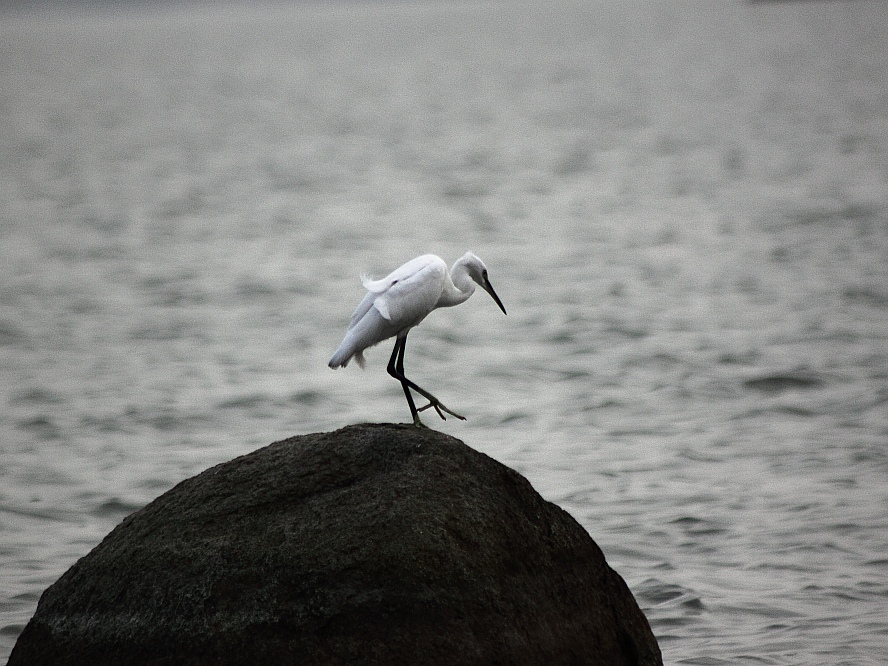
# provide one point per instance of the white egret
(398, 302)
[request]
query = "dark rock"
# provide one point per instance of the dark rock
(373, 544)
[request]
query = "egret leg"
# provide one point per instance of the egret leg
(396, 370)
(396, 360)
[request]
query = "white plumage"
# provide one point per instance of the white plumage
(400, 301)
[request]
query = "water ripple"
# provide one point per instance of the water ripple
(694, 362)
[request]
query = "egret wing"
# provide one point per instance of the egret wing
(362, 309)
(411, 295)
(376, 287)
(409, 269)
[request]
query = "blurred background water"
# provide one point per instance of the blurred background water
(683, 205)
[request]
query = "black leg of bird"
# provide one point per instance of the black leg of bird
(396, 370)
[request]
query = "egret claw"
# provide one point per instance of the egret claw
(440, 408)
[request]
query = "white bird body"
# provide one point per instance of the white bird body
(401, 300)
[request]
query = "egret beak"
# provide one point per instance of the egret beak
(489, 289)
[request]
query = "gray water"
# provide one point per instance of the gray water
(683, 205)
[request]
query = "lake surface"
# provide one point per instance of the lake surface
(683, 206)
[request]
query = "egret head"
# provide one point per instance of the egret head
(478, 272)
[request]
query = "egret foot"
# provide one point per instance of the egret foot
(396, 370)
(440, 408)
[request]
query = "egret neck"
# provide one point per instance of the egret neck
(458, 285)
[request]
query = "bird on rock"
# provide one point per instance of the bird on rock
(400, 301)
